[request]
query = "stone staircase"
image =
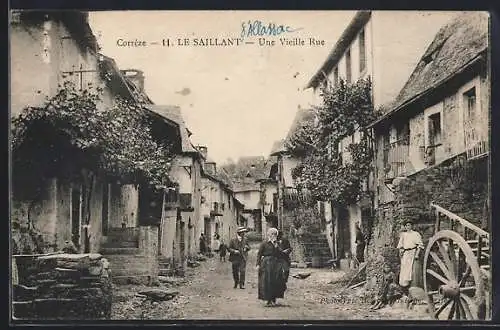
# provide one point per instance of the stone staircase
(166, 268)
(129, 263)
(315, 244)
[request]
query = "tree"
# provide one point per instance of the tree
(345, 109)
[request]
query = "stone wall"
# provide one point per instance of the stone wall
(62, 286)
(463, 194)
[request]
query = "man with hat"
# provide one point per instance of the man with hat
(410, 244)
(238, 253)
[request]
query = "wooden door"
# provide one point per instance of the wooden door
(344, 233)
(76, 216)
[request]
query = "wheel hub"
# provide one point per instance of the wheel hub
(450, 290)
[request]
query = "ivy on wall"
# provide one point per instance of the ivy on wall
(345, 109)
(70, 126)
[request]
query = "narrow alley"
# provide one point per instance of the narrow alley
(207, 293)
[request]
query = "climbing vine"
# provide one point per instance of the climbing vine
(71, 136)
(72, 127)
(326, 172)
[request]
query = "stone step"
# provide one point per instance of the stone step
(129, 271)
(121, 250)
(139, 279)
(121, 244)
(123, 234)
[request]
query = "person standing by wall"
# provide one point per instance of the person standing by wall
(284, 262)
(360, 244)
(203, 246)
(410, 245)
(216, 243)
(238, 253)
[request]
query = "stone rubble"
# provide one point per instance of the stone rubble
(64, 286)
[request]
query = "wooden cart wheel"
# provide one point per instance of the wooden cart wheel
(453, 279)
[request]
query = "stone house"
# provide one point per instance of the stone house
(247, 190)
(220, 209)
(180, 225)
(432, 146)
(300, 218)
(383, 46)
(68, 51)
(269, 202)
(115, 219)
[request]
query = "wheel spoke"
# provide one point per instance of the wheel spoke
(458, 310)
(466, 303)
(436, 275)
(446, 257)
(442, 307)
(441, 265)
(452, 310)
(465, 312)
(461, 261)
(453, 257)
(467, 273)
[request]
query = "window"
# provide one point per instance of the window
(434, 135)
(362, 51)
(336, 75)
(470, 103)
(348, 66)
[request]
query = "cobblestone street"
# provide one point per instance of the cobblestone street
(207, 293)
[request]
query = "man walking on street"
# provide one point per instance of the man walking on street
(238, 252)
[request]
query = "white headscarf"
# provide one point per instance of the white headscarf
(272, 233)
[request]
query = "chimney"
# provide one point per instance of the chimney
(203, 150)
(136, 76)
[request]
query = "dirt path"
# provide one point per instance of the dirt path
(209, 294)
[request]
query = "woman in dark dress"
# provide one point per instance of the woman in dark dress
(284, 249)
(267, 265)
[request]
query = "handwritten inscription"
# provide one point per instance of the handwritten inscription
(260, 29)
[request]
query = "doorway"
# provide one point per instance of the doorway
(76, 215)
(344, 233)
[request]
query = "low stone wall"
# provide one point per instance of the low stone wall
(62, 286)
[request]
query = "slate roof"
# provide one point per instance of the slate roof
(456, 46)
(174, 114)
(245, 184)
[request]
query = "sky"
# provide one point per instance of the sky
(235, 100)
